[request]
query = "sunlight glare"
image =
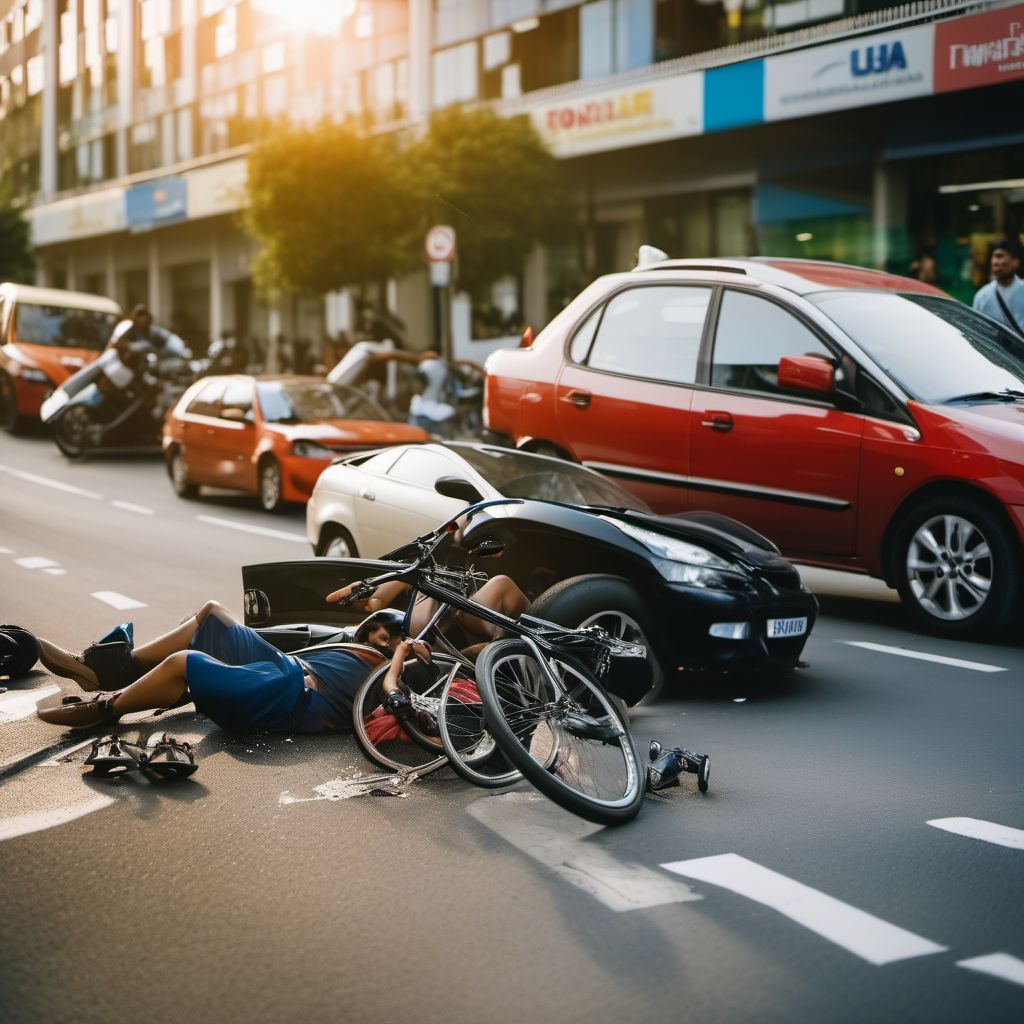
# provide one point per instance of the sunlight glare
(324, 17)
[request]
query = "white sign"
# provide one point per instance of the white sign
(84, 216)
(854, 73)
(219, 188)
(666, 108)
(440, 244)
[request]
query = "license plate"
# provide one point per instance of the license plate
(787, 627)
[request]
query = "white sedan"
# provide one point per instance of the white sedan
(371, 503)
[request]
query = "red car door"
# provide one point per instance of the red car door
(623, 396)
(784, 463)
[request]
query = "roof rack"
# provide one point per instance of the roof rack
(703, 267)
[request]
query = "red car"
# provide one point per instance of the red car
(860, 420)
(271, 436)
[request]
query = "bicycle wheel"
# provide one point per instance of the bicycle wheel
(401, 746)
(567, 736)
(472, 752)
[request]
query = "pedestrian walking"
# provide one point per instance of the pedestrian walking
(1003, 297)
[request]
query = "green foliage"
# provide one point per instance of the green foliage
(494, 181)
(17, 260)
(331, 207)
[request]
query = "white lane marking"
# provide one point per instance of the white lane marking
(116, 600)
(557, 839)
(57, 485)
(860, 933)
(938, 659)
(988, 831)
(58, 759)
(999, 965)
(35, 562)
(263, 531)
(56, 572)
(6, 551)
(127, 506)
(23, 824)
(18, 704)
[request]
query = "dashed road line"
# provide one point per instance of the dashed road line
(127, 506)
(6, 551)
(860, 933)
(555, 838)
(116, 600)
(55, 572)
(263, 531)
(998, 965)
(35, 562)
(57, 485)
(987, 831)
(937, 659)
(18, 704)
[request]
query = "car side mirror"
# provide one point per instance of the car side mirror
(807, 373)
(457, 487)
(526, 339)
(234, 415)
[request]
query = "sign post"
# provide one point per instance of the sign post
(440, 249)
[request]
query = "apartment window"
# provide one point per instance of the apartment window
(455, 75)
(596, 39)
(615, 35)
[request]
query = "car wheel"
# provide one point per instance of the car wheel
(615, 606)
(270, 485)
(71, 432)
(956, 567)
(10, 421)
(543, 448)
(336, 542)
(178, 471)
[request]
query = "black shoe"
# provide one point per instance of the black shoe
(113, 664)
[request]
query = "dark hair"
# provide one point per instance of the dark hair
(140, 310)
(1003, 245)
(390, 618)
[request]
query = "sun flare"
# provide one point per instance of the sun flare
(324, 17)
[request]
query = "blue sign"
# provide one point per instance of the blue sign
(154, 203)
(734, 96)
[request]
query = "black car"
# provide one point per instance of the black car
(699, 589)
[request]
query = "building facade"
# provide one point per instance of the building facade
(870, 133)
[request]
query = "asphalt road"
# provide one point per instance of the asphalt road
(859, 856)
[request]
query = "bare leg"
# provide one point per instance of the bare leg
(179, 638)
(501, 594)
(159, 688)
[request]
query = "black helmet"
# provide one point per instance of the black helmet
(18, 651)
(390, 618)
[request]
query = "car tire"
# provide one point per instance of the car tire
(69, 432)
(177, 470)
(957, 567)
(336, 542)
(543, 448)
(10, 421)
(607, 601)
(270, 485)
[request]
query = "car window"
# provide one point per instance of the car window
(579, 347)
(238, 395)
(63, 326)
(652, 332)
(207, 402)
(753, 334)
(422, 467)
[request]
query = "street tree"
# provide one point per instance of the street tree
(331, 207)
(495, 182)
(17, 259)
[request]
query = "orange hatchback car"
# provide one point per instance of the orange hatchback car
(271, 436)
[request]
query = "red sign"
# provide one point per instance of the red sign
(440, 244)
(979, 50)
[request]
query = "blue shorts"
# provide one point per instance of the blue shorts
(245, 684)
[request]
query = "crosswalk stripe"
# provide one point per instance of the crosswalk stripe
(116, 600)
(988, 831)
(935, 659)
(555, 838)
(868, 937)
(999, 965)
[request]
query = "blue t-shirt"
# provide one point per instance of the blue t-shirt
(1013, 295)
(339, 675)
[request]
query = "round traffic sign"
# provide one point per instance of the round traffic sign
(440, 244)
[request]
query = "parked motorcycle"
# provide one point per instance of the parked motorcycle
(118, 401)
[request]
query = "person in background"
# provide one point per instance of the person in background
(924, 269)
(1003, 297)
(139, 327)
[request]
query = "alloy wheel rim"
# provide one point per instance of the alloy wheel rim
(950, 567)
(271, 486)
(337, 547)
(624, 627)
(73, 427)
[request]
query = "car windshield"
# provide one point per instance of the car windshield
(519, 475)
(937, 349)
(305, 401)
(62, 326)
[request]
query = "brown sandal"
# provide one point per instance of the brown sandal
(80, 712)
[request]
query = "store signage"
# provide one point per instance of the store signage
(154, 203)
(854, 73)
(84, 216)
(217, 189)
(979, 50)
(666, 108)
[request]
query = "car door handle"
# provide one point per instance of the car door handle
(720, 421)
(581, 399)
(367, 494)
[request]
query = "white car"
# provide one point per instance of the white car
(369, 504)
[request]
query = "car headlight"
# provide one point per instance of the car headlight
(312, 450)
(35, 376)
(682, 562)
